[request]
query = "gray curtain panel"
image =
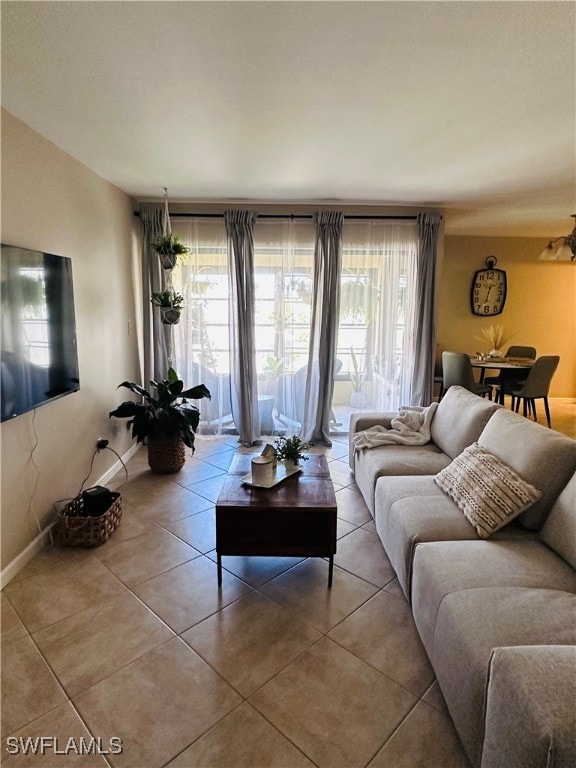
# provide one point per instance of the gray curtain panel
(244, 383)
(324, 328)
(156, 335)
(423, 373)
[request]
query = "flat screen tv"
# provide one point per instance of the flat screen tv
(38, 328)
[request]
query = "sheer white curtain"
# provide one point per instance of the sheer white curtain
(283, 257)
(201, 338)
(376, 340)
(375, 353)
(283, 260)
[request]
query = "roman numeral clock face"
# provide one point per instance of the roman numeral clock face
(488, 293)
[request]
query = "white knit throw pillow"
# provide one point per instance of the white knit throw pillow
(487, 491)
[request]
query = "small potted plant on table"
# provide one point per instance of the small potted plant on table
(290, 450)
(167, 422)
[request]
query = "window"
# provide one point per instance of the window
(375, 335)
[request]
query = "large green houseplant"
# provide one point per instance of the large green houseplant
(165, 420)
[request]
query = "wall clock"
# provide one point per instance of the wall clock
(488, 292)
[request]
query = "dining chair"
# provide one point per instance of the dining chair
(523, 352)
(291, 396)
(216, 412)
(536, 387)
(457, 371)
(518, 379)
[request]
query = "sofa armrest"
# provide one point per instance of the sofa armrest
(365, 420)
(530, 712)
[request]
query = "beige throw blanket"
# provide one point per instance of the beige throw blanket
(410, 427)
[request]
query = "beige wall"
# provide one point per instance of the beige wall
(540, 309)
(51, 202)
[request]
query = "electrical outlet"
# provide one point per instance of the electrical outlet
(101, 443)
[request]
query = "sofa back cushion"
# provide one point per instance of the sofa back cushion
(485, 489)
(559, 530)
(459, 419)
(541, 456)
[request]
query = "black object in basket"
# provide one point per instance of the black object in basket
(96, 500)
(82, 526)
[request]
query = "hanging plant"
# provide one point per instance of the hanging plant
(168, 248)
(170, 303)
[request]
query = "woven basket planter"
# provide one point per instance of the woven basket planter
(77, 529)
(166, 456)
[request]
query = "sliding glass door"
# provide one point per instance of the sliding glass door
(201, 338)
(377, 311)
(375, 348)
(283, 254)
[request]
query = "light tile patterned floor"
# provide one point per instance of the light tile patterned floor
(134, 640)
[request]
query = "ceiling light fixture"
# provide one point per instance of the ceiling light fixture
(566, 251)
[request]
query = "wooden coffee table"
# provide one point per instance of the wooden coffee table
(296, 518)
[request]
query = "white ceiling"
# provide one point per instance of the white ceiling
(468, 106)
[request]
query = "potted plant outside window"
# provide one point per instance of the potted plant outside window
(164, 419)
(358, 378)
(170, 304)
(168, 248)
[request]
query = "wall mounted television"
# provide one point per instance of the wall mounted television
(39, 358)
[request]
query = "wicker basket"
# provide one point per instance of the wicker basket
(78, 530)
(166, 456)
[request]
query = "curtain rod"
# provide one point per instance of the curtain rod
(287, 216)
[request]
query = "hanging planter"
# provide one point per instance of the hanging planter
(168, 248)
(170, 315)
(168, 260)
(170, 304)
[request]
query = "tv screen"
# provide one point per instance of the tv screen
(39, 357)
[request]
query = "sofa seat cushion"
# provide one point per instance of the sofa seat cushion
(444, 567)
(471, 624)
(372, 463)
(530, 712)
(411, 510)
(489, 493)
(412, 520)
(459, 419)
(542, 457)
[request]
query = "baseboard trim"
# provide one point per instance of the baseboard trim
(41, 540)
(117, 466)
(21, 560)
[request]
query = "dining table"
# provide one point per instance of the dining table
(509, 367)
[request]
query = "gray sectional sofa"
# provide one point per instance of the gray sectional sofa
(497, 615)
